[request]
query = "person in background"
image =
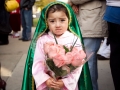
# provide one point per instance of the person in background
(15, 21)
(26, 18)
(5, 28)
(104, 50)
(94, 29)
(112, 16)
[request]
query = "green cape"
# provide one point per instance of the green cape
(28, 81)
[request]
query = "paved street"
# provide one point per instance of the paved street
(13, 56)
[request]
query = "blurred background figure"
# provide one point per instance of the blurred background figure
(104, 51)
(5, 28)
(93, 28)
(26, 18)
(112, 16)
(15, 22)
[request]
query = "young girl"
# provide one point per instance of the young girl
(57, 19)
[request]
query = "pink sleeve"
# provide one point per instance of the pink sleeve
(71, 80)
(38, 68)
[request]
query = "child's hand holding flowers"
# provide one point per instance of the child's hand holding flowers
(55, 84)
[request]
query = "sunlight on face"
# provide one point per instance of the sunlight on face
(57, 22)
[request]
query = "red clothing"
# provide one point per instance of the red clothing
(15, 20)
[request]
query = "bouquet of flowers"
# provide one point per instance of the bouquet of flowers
(62, 60)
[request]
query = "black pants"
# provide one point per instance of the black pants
(114, 40)
(4, 39)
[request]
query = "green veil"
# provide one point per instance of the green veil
(28, 81)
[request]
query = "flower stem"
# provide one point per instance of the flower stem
(55, 39)
(73, 44)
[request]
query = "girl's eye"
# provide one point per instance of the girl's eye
(52, 21)
(63, 20)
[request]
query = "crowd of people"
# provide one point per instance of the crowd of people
(92, 21)
(10, 22)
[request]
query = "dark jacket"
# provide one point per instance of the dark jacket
(26, 4)
(4, 19)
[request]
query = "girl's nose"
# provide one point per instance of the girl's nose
(57, 24)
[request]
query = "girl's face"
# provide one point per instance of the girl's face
(57, 22)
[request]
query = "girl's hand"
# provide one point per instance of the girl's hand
(60, 83)
(51, 83)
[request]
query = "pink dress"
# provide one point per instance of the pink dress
(39, 68)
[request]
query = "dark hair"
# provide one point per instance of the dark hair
(57, 7)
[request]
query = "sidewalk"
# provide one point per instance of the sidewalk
(13, 56)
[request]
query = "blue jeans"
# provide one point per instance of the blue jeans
(26, 18)
(92, 45)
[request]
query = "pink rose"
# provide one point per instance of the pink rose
(82, 54)
(55, 50)
(78, 58)
(69, 56)
(47, 46)
(61, 49)
(78, 62)
(59, 60)
(74, 51)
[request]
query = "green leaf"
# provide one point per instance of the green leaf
(66, 49)
(71, 67)
(58, 71)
